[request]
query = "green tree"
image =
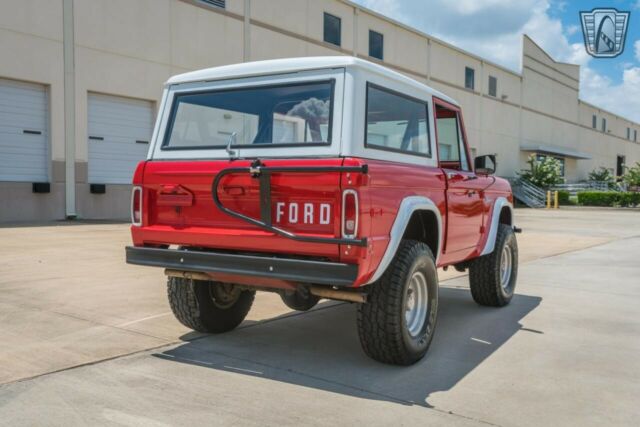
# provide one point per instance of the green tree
(632, 176)
(603, 175)
(544, 173)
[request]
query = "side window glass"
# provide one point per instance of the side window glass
(397, 122)
(451, 144)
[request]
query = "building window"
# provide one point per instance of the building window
(629, 134)
(635, 136)
(604, 124)
(216, 3)
(469, 78)
(493, 86)
(397, 122)
(332, 29)
(376, 44)
(620, 160)
(594, 121)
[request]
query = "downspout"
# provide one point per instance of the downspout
(69, 110)
(246, 55)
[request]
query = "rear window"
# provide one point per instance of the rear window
(283, 115)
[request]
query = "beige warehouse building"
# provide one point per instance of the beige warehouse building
(80, 82)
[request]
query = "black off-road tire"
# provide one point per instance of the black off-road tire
(382, 326)
(194, 304)
(485, 272)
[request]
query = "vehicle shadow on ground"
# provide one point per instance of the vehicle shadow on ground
(320, 349)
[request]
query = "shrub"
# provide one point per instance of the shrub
(603, 175)
(543, 173)
(564, 197)
(632, 176)
(608, 198)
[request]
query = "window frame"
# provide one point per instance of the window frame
(473, 78)
(594, 122)
(629, 133)
(495, 79)
(462, 132)
(604, 124)
(174, 105)
(376, 33)
(635, 135)
(367, 145)
(324, 28)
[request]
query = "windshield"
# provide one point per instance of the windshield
(254, 117)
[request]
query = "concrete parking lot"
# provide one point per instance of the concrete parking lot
(87, 339)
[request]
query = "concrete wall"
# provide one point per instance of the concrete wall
(130, 48)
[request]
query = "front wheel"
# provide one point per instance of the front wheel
(208, 306)
(492, 277)
(397, 323)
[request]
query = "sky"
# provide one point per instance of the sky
(493, 30)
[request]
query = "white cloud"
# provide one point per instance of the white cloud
(622, 98)
(572, 29)
(493, 29)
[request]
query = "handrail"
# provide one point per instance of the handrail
(259, 170)
(528, 193)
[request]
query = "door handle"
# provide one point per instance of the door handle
(174, 195)
(471, 192)
(458, 176)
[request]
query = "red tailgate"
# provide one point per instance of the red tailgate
(179, 208)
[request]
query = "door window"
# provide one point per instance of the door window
(451, 144)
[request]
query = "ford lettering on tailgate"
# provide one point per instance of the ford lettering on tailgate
(302, 213)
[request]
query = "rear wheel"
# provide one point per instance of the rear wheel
(208, 306)
(492, 278)
(397, 323)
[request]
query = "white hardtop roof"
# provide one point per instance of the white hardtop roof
(292, 65)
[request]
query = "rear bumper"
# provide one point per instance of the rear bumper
(295, 270)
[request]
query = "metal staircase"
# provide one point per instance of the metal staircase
(527, 193)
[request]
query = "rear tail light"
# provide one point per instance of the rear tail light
(349, 214)
(136, 206)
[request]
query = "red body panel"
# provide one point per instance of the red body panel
(202, 224)
(178, 208)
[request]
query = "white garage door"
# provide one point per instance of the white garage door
(23, 132)
(119, 134)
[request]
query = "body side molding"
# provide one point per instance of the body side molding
(500, 203)
(408, 206)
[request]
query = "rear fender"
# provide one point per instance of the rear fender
(408, 206)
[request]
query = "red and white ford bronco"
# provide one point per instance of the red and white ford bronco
(325, 177)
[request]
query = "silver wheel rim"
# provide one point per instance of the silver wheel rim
(506, 265)
(224, 295)
(416, 303)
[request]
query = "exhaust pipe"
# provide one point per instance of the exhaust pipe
(338, 294)
(320, 291)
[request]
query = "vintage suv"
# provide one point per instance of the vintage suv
(324, 177)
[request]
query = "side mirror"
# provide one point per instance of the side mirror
(485, 165)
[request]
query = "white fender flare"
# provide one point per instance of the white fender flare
(408, 206)
(498, 205)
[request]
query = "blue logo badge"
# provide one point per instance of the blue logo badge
(605, 31)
